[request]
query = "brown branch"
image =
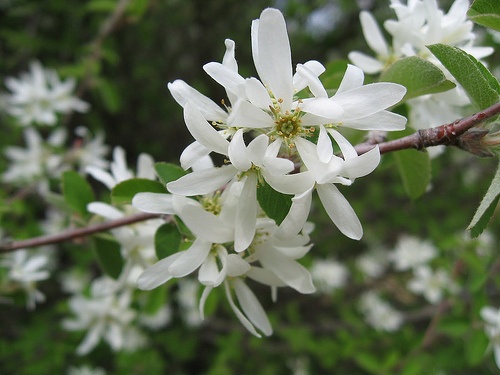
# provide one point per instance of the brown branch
(74, 233)
(448, 134)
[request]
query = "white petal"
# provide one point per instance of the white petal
(322, 107)
(245, 114)
(367, 63)
(241, 317)
(265, 276)
(105, 210)
(246, 215)
(202, 181)
(208, 273)
(202, 131)
(325, 147)
(192, 154)
(183, 93)
(296, 183)
(205, 225)
(229, 59)
(237, 152)
(296, 217)
(340, 211)
(154, 203)
(274, 63)
(157, 274)
(227, 78)
(102, 176)
(353, 78)
(190, 259)
(369, 99)
(383, 120)
(257, 93)
(203, 299)
(145, 166)
(288, 270)
(236, 266)
(252, 307)
(312, 81)
(348, 151)
(373, 34)
(299, 83)
(363, 164)
(257, 149)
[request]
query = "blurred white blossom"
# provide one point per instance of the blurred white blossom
(379, 314)
(491, 316)
(85, 370)
(373, 263)
(328, 275)
(39, 95)
(431, 284)
(411, 252)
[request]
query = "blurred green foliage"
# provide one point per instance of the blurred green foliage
(158, 41)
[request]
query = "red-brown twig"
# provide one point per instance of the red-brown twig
(74, 233)
(441, 135)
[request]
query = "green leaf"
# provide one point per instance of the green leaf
(334, 73)
(108, 254)
(475, 347)
(486, 207)
(125, 190)
(168, 172)
(486, 13)
(481, 86)
(167, 240)
(415, 171)
(276, 205)
(156, 299)
(419, 76)
(369, 362)
(77, 192)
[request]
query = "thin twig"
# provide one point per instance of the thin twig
(74, 233)
(441, 135)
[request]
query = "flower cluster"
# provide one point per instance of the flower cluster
(269, 138)
(420, 23)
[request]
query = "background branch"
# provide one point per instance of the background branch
(447, 134)
(74, 233)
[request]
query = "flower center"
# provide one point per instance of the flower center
(212, 204)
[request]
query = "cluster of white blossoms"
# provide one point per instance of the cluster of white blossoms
(420, 23)
(38, 96)
(267, 137)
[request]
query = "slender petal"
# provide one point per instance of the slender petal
(252, 307)
(274, 63)
(340, 211)
(246, 215)
(157, 274)
(227, 78)
(205, 225)
(257, 93)
(241, 317)
(382, 120)
(192, 154)
(312, 81)
(299, 83)
(353, 78)
(325, 147)
(363, 164)
(154, 203)
(292, 273)
(105, 210)
(322, 107)
(202, 131)
(297, 216)
(183, 93)
(373, 34)
(369, 64)
(202, 181)
(190, 259)
(238, 153)
(244, 114)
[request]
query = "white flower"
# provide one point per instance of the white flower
(373, 263)
(26, 268)
(431, 284)
(329, 275)
(379, 314)
(89, 151)
(157, 320)
(491, 316)
(411, 252)
(119, 170)
(104, 316)
(37, 162)
(39, 95)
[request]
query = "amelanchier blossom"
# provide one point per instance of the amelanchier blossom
(328, 275)
(432, 284)
(421, 23)
(267, 136)
(411, 252)
(38, 96)
(491, 316)
(104, 315)
(25, 269)
(379, 314)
